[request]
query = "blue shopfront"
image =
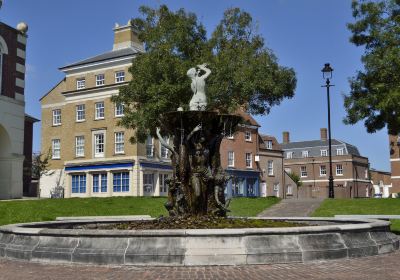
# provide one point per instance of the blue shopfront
(243, 183)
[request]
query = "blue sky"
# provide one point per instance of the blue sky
(304, 34)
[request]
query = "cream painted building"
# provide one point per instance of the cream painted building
(91, 154)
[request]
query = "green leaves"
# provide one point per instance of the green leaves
(244, 72)
(374, 95)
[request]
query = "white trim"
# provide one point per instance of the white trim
(47, 106)
(101, 70)
(4, 47)
(19, 83)
(395, 177)
(95, 64)
(21, 53)
(20, 68)
(97, 94)
(338, 179)
(309, 162)
(395, 159)
(21, 39)
(302, 148)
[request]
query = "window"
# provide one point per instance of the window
(339, 152)
(303, 171)
(99, 144)
(79, 146)
(79, 183)
(163, 183)
(119, 76)
(270, 168)
(57, 117)
(322, 170)
(269, 144)
(247, 136)
(99, 110)
(339, 169)
(249, 162)
(148, 183)
(237, 186)
(119, 110)
(80, 83)
(119, 142)
(229, 134)
(121, 182)
(99, 80)
(100, 182)
(80, 112)
(149, 147)
(164, 151)
(231, 158)
(289, 190)
(324, 153)
(366, 174)
(304, 154)
(55, 149)
(289, 155)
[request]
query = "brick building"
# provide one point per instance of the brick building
(381, 182)
(91, 154)
(394, 145)
(310, 160)
(15, 126)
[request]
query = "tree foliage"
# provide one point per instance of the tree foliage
(295, 178)
(244, 72)
(375, 91)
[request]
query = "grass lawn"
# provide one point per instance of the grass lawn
(48, 209)
(371, 206)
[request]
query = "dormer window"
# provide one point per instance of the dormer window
(269, 144)
(324, 153)
(304, 154)
(80, 83)
(289, 155)
(339, 152)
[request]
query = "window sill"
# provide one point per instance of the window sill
(99, 119)
(271, 175)
(56, 158)
(79, 121)
(80, 156)
(56, 125)
(119, 154)
(119, 116)
(339, 175)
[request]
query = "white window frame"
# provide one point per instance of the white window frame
(269, 144)
(99, 112)
(119, 142)
(55, 148)
(100, 80)
(247, 136)
(119, 110)
(149, 147)
(289, 190)
(119, 76)
(79, 146)
(324, 153)
(97, 154)
(304, 154)
(146, 183)
(322, 170)
(231, 159)
(339, 169)
(164, 152)
(80, 83)
(339, 151)
(162, 177)
(303, 171)
(80, 108)
(56, 117)
(366, 173)
(289, 155)
(270, 168)
(249, 160)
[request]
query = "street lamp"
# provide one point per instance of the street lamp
(327, 75)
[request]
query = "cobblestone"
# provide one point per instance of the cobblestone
(377, 267)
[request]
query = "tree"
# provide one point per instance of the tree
(40, 166)
(295, 178)
(244, 72)
(375, 90)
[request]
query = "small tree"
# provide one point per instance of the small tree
(295, 178)
(40, 166)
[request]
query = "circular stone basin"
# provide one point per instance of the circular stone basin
(324, 239)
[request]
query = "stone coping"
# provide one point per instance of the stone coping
(104, 218)
(376, 217)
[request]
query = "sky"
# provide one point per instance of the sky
(303, 34)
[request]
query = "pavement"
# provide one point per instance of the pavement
(376, 267)
(292, 208)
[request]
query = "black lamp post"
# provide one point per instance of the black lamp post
(327, 75)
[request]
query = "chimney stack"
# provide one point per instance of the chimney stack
(324, 134)
(126, 37)
(285, 137)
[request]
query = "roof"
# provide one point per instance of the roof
(30, 118)
(105, 56)
(247, 118)
(314, 147)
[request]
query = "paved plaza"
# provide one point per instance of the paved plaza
(377, 267)
(292, 208)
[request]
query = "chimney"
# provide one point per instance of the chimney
(324, 134)
(126, 37)
(285, 137)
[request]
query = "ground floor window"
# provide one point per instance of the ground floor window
(251, 187)
(121, 182)
(163, 183)
(79, 183)
(100, 182)
(237, 186)
(148, 182)
(289, 190)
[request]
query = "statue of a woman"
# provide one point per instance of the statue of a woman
(199, 99)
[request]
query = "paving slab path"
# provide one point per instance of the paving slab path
(292, 208)
(376, 267)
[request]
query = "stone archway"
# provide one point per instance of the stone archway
(5, 163)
